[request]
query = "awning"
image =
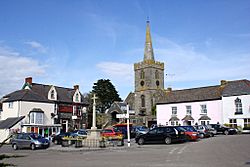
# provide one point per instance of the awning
(188, 118)
(174, 118)
(204, 117)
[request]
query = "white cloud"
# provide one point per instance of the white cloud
(14, 68)
(37, 46)
(189, 65)
(117, 71)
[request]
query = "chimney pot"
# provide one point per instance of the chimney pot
(76, 87)
(28, 80)
(223, 82)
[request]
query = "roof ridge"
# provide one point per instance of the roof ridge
(54, 86)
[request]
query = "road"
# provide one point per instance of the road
(219, 151)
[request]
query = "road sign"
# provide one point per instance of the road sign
(121, 115)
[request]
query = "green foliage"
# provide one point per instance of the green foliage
(106, 93)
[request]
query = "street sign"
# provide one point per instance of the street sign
(121, 115)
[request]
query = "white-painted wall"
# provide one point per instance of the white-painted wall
(229, 109)
(214, 111)
(22, 108)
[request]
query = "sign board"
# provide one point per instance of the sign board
(121, 115)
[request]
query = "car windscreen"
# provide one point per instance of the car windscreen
(35, 136)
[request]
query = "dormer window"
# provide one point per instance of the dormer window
(77, 97)
(52, 94)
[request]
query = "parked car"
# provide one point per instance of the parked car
(29, 140)
(223, 129)
(190, 132)
(57, 139)
(81, 132)
(164, 134)
(203, 131)
(137, 130)
(111, 133)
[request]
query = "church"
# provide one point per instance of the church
(149, 88)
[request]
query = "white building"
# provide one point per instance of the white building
(227, 103)
(43, 109)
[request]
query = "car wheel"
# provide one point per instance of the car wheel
(14, 146)
(33, 146)
(202, 135)
(168, 140)
(226, 132)
(141, 141)
(56, 142)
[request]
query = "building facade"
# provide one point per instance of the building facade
(46, 109)
(227, 103)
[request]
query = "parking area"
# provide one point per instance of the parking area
(223, 151)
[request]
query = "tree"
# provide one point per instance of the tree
(106, 93)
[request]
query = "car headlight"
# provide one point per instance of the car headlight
(37, 142)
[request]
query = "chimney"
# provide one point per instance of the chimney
(28, 80)
(76, 87)
(223, 82)
(169, 89)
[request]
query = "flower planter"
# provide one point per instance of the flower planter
(78, 143)
(65, 143)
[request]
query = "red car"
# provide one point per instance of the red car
(111, 132)
(190, 132)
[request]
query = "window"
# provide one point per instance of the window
(156, 74)
(233, 123)
(142, 75)
(238, 106)
(77, 97)
(74, 110)
(52, 94)
(142, 101)
(36, 118)
(203, 122)
(10, 104)
(203, 109)
(247, 123)
(172, 123)
(174, 110)
(189, 110)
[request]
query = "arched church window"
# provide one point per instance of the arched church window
(142, 75)
(142, 101)
(156, 74)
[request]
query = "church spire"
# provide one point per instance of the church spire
(148, 51)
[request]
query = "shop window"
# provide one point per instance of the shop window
(233, 123)
(238, 106)
(247, 123)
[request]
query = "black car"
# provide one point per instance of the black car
(223, 129)
(166, 134)
(57, 139)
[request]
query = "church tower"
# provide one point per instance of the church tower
(149, 80)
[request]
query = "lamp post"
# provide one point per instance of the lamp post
(128, 130)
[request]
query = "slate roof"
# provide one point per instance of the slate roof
(174, 118)
(39, 93)
(230, 88)
(204, 117)
(10, 122)
(117, 106)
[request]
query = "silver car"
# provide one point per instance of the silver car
(29, 140)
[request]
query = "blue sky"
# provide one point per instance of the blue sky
(64, 43)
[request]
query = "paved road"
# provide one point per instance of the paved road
(219, 151)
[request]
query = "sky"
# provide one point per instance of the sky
(67, 43)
